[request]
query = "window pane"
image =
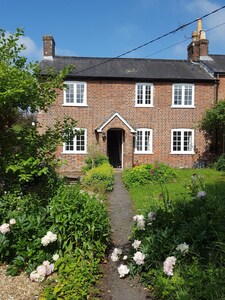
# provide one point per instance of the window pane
(80, 142)
(80, 93)
(139, 141)
(177, 95)
(147, 140)
(148, 94)
(69, 146)
(187, 141)
(176, 141)
(140, 94)
(188, 95)
(70, 93)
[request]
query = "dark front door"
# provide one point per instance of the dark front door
(114, 144)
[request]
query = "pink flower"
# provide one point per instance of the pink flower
(41, 270)
(4, 228)
(168, 265)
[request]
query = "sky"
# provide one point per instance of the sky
(110, 28)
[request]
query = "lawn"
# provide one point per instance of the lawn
(148, 196)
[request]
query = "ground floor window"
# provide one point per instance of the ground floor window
(143, 140)
(182, 141)
(78, 144)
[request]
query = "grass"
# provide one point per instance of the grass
(148, 196)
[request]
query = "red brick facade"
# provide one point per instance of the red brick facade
(104, 98)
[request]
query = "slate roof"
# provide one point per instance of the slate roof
(129, 68)
(215, 63)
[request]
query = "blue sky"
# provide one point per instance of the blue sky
(108, 28)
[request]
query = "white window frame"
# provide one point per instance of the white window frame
(183, 88)
(75, 100)
(75, 143)
(182, 131)
(144, 131)
(144, 100)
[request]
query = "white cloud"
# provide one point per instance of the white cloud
(32, 52)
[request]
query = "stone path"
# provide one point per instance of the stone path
(121, 216)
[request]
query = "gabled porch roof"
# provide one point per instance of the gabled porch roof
(110, 118)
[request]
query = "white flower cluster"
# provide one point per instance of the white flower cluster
(123, 270)
(5, 227)
(201, 194)
(42, 271)
(116, 253)
(136, 244)
(139, 258)
(140, 220)
(183, 248)
(48, 238)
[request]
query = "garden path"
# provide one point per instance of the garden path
(121, 214)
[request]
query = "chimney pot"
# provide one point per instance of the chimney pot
(48, 47)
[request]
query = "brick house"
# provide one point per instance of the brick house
(136, 110)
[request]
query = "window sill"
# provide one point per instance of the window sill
(182, 106)
(143, 105)
(76, 105)
(143, 152)
(73, 152)
(183, 153)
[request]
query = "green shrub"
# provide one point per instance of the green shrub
(77, 278)
(148, 173)
(94, 159)
(81, 221)
(99, 179)
(219, 165)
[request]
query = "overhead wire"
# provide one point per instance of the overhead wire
(151, 41)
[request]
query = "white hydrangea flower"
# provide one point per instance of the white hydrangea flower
(55, 257)
(34, 276)
(140, 220)
(45, 240)
(12, 221)
(139, 258)
(136, 244)
(123, 270)
(201, 194)
(115, 254)
(151, 216)
(4, 228)
(168, 265)
(183, 248)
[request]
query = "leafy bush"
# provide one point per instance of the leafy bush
(77, 278)
(148, 173)
(95, 159)
(219, 165)
(99, 179)
(81, 222)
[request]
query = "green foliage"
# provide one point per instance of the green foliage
(27, 157)
(94, 159)
(219, 165)
(214, 118)
(81, 221)
(99, 179)
(149, 173)
(77, 278)
(197, 221)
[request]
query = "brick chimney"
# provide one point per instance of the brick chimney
(199, 45)
(48, 47)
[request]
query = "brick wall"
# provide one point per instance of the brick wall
(106, 97)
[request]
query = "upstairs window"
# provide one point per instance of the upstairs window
(75, 94)
(78, 144)
(143, 141)
(144, 94)
(183, 95)
(182, 141)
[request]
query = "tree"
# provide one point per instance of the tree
(213, 123)
(27, 158)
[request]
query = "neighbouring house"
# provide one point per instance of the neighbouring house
(136, 111)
